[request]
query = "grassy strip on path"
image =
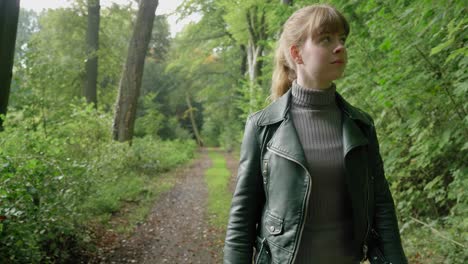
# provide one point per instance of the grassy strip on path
(136, 204)
(135, 208)
(219, 197)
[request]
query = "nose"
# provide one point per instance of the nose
(339, 48)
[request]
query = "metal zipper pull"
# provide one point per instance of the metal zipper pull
(265, 172)
(364, 251)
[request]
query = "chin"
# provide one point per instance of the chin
(334, 78)
(338, 76)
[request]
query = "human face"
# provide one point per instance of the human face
(321, 60)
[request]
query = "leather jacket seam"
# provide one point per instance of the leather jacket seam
(284, 151)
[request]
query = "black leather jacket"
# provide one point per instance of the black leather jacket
(273, 186)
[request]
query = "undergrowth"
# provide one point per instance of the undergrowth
(59, 174)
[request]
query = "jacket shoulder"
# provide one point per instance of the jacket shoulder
(355, 112)
(364, 115)
(273, 113)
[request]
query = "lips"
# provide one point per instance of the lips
(338, 61)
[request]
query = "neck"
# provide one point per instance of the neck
(312, 98)
(313, 84)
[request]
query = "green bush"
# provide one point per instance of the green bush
(56, 173)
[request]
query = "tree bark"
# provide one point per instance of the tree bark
(9, 13)
(92, 41)
(254, 49)
(192, 120)
(130, 82)
(243, 66)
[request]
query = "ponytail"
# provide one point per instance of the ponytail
(283, 76)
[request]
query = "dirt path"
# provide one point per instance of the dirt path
(176, 231)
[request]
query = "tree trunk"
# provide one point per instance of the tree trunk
(92, 41)
(130, 82)
(257, 33)
(192, 120)
(9, 12)
(243, 66)
(253, 53)
(287, 2)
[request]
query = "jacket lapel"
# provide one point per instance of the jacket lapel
(352, 135)
(286, 141)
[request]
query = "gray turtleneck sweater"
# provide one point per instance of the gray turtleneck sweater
(328, 232)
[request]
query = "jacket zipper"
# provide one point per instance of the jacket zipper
(265, 178)
(365, 246)
(306, 202)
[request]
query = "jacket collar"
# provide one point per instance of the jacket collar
(278, 110)
(286, 141)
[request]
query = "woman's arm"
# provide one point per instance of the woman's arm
(385, 221)
(247, 201)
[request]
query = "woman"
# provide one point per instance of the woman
(311, 186)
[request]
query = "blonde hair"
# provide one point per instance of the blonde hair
(310, 21)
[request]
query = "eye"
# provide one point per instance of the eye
(343, 40)
(325, 39)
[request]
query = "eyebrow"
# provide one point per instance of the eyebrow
(328, 33)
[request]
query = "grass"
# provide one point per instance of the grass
(136, 209)
(219, 197)
(124, 204)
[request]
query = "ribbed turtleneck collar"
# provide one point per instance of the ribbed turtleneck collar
(312, 98)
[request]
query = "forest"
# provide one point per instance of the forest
(103, 103)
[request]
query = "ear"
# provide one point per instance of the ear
(295, 54)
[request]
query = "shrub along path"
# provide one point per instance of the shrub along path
(177, 229)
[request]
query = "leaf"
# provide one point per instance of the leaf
(406, 13)
(465, 146)
(441, 47)
(445, 138)
(463, 52)
(431, 184)
(386, 45)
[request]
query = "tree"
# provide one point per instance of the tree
(247, 23)
(190, 111)
(92, 41)
(130, 82)
(27, 26)
(9, 12)
(287, 2)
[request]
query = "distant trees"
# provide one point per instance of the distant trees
(9, 12)
(130, 82)
(247, 23)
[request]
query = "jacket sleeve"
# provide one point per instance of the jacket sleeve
(247, 201)
(385, 221)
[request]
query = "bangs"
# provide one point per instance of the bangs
(327, 20)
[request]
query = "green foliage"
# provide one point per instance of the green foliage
(164, 115)
(27, 25)
(52, 57)
(152, 121)
(204, 59)
(58, 174)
